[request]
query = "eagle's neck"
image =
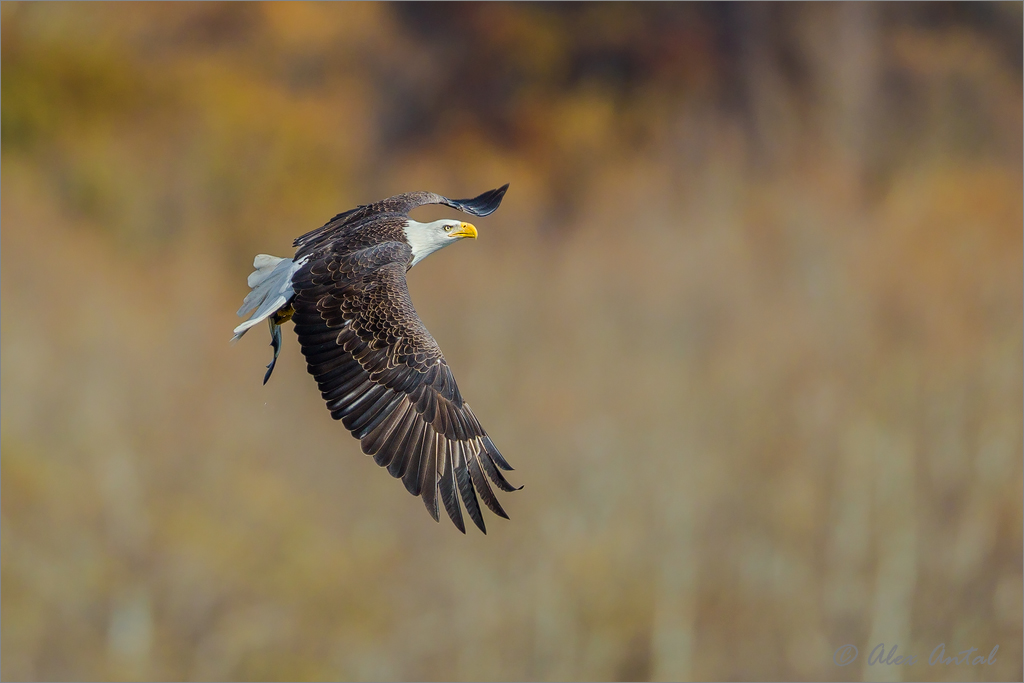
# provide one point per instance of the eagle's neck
(425, 238)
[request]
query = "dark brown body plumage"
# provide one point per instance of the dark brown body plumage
(379, 369)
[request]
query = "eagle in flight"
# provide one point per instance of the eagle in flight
(378, 368)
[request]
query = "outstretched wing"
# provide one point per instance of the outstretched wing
(384, 377)
(482, 205)
(401, 204)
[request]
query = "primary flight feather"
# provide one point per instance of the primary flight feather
(378, 368)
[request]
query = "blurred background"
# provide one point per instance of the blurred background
(748, 324)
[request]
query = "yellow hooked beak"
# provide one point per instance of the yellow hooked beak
(465, 230)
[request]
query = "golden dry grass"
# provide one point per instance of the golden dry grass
(748, 325)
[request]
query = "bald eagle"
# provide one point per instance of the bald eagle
(378, 368)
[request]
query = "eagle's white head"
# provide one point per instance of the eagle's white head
(426, 238)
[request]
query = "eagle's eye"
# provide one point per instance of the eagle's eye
(448, 228)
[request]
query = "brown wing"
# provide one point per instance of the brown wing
(355, 220)
(481, 205)
(384, 377)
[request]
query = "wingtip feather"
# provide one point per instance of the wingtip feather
(484, 204)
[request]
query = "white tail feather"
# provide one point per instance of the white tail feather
(271, 284)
